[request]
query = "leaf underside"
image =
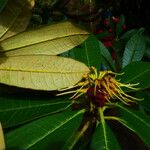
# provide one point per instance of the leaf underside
(41, 72)
(15, 17)
(134, 50)
(49, 40)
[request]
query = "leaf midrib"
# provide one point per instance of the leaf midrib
(133, 115)
(40, 71)
(87, 57)
(30, 107)
(10, 26)
(67, 120)
(44, 41)
(104, 129)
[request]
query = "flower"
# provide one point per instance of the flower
(101, 87)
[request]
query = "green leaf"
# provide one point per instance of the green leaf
(137, 72)
(106, 57)
(15, 110)
(103, 138)
(76, 136)
(127, 35)
(49, 132)
(3, 4)
(102, 35)
(147, 52)
(137, 122)
(99, 142)
(41, 72)
(91, 52)
(120, 25)
(134, 50)
(2, 143)
(146, 96)
(15, 17)
(88, 52)
(50, 40)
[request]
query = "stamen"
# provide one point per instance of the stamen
(81, 90)
(64, 93)
(104, 87)
(78, 90)
(114, 118)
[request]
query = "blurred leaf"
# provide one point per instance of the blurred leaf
(137, 122)
(50, 3)
(49, 132)
(50, 40)
(118, 45)
(141, 31)
(2, 143)
(127, 35)
(119, 25)
(15, 110)
(137, 72)
(104, 139)
(134, 50)
(103, 34)
(3, 4)
(147, 39)
(147, 52)
(41, 72)
(106, 57)
(15, 17)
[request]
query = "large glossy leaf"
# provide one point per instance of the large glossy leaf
(51, 40)
(137, 72)
(15, 17)
(104, 139)
(3, 4)
(134, 50)
(92, 52)
(137, 122)
(88, 52)
(41, 72)
(49, 132)
(74, 140)
(15, 110)
(2, 143)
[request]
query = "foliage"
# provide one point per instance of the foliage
(39, 65)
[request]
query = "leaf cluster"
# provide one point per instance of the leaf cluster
(37, 64)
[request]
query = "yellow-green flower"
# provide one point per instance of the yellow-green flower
(101, 87)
